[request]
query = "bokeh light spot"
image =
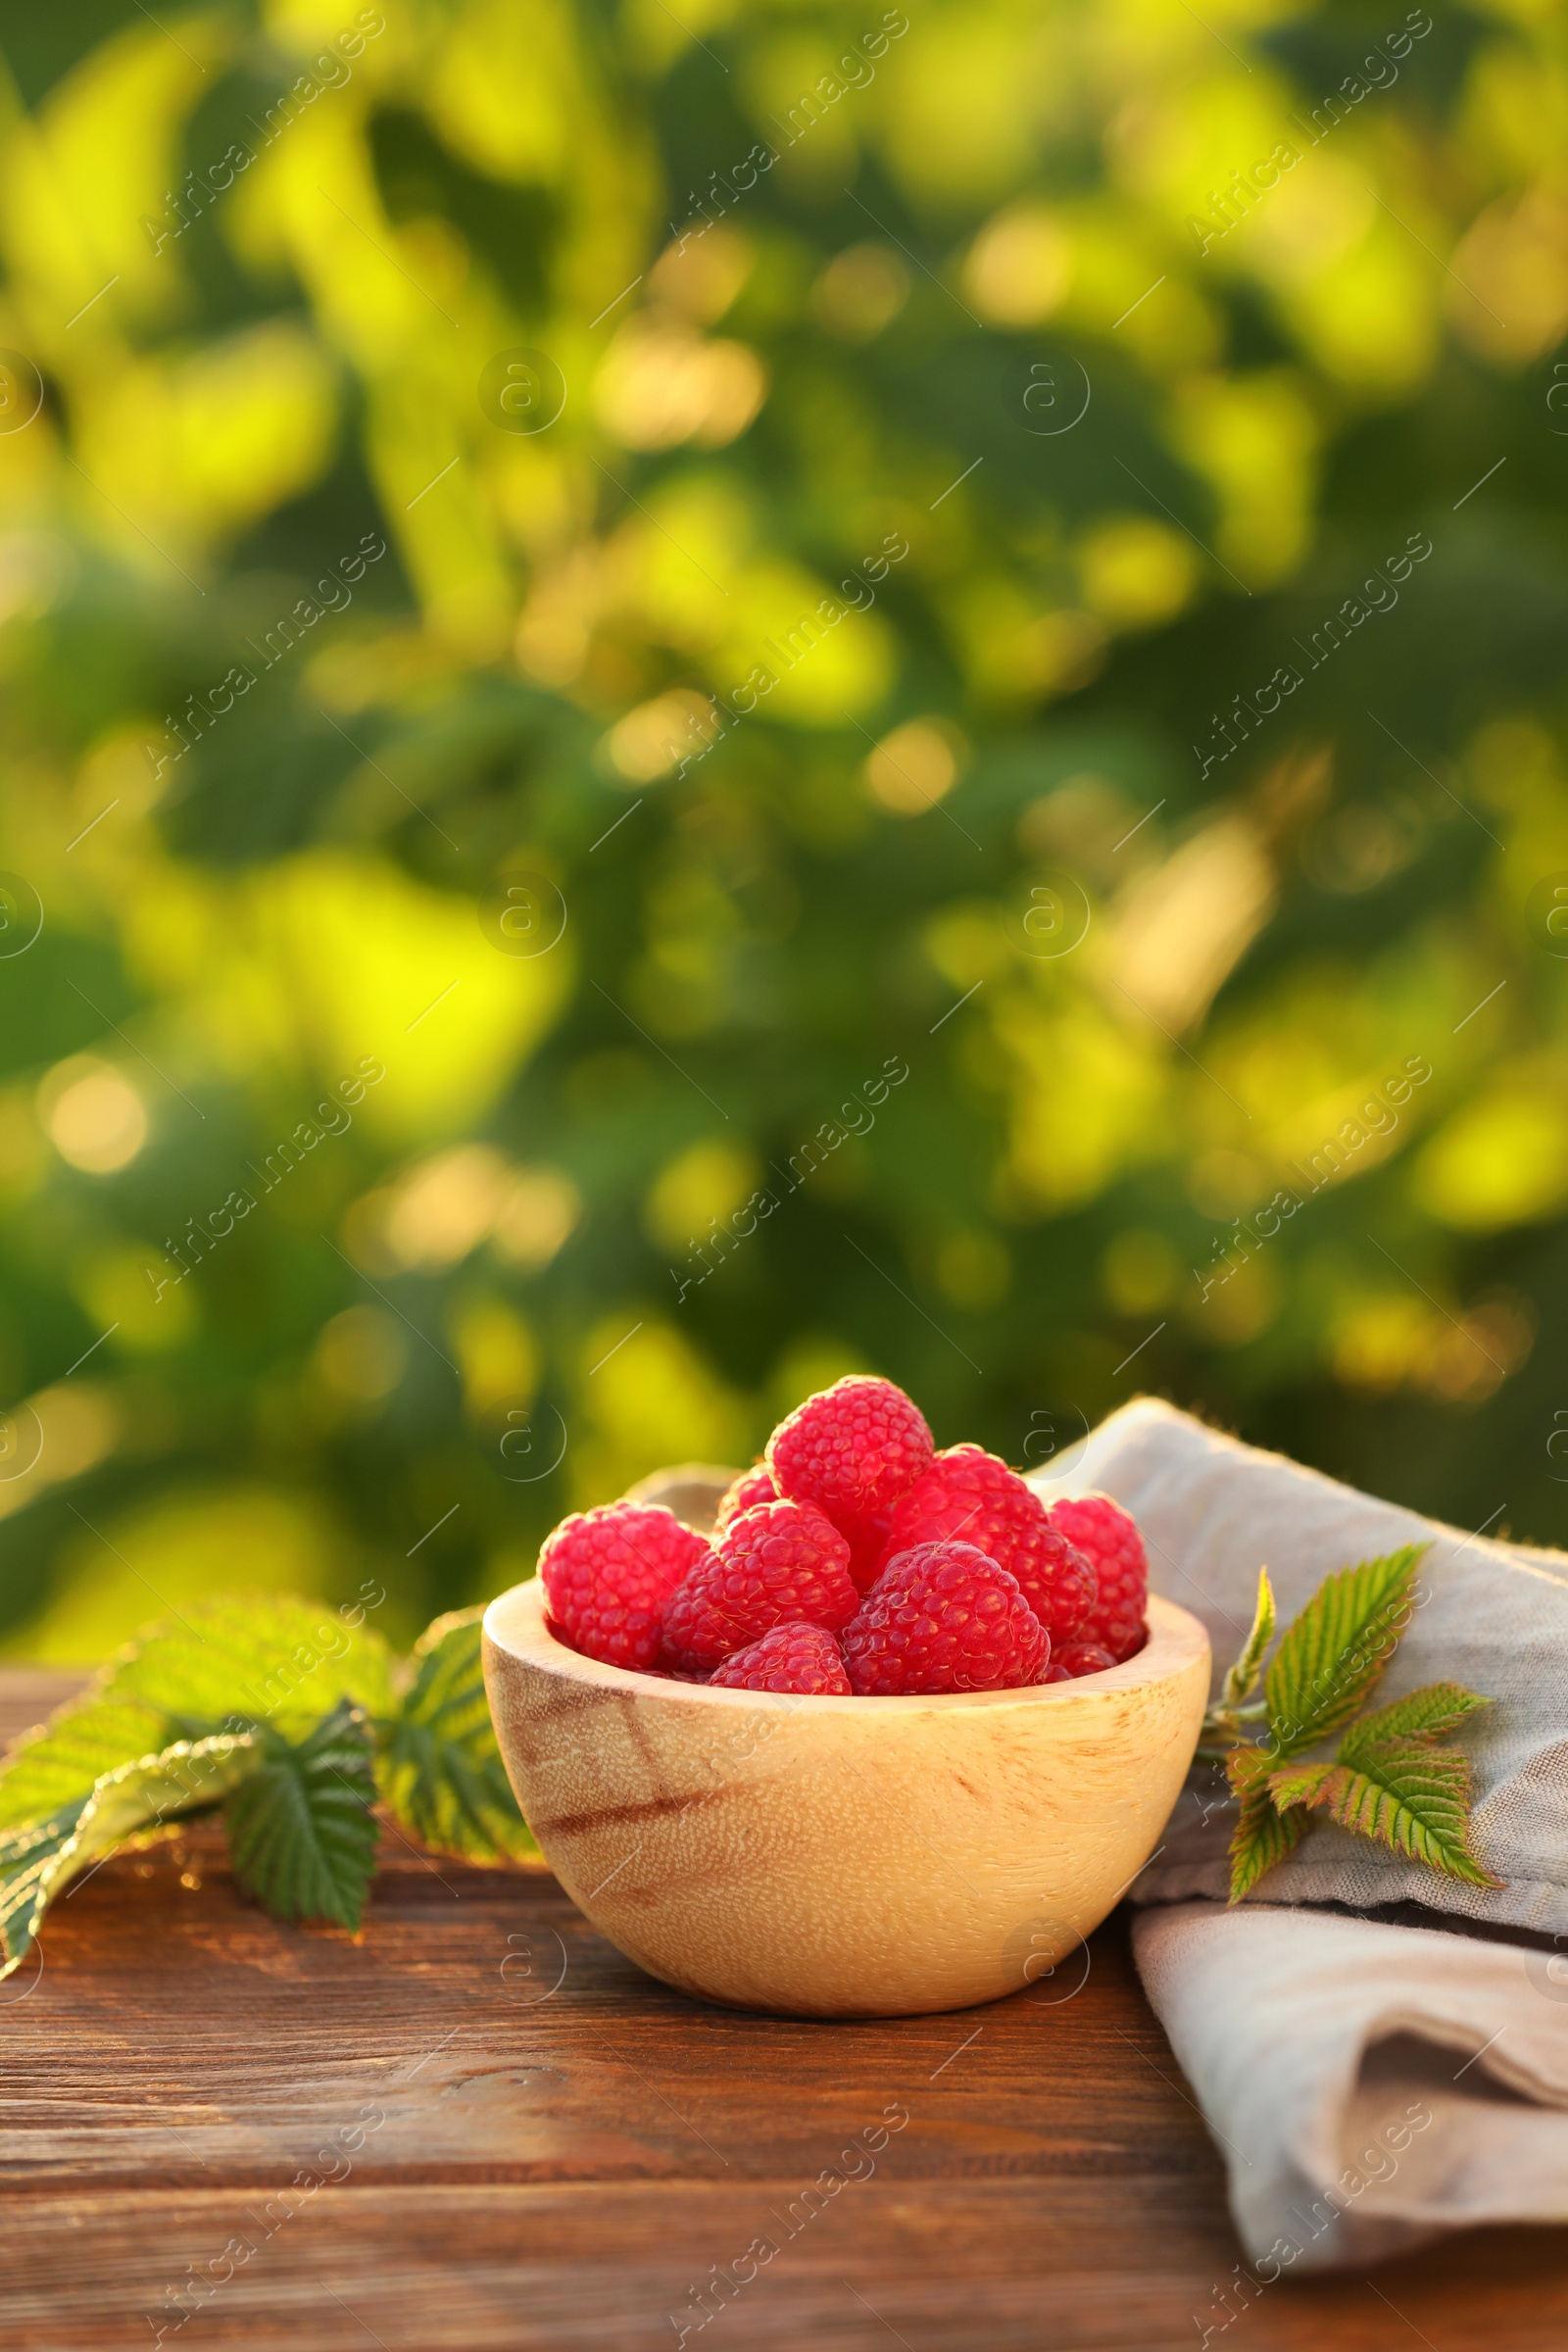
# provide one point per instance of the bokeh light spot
(94, 1114)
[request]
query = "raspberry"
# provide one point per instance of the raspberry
(969, 1494)
(608, 1574)
(744, 1493)
(868, 1539)
(1074, 1658)
(851, 1450)
(774, 1565)
(1109, 1536)
(790, 1658)
(943, 1617)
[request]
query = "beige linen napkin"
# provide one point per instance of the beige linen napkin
(1371, 2081)
(1370, 2084)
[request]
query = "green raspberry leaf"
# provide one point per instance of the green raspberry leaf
(267, 1658)
(40, 1858)
(58, 1764)
(241, 1659)
(1299, 1785)
(440, 1769)
(1425, 1714)
(1336, 1651)
(1242, 1678)
(1262, 1835)
(1407, 1794)
(301, 1829)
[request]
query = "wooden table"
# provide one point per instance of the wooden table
(565, 2151)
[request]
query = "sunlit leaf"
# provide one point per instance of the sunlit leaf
(1242, 1677)
(41, 1857)
(59, 1763)
(301, 1829)
(1262, 1835)
(1407, 1794)
(1336, 1651)
(440, 1770)
(230, 1662)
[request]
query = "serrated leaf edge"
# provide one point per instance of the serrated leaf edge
(1242, 1677)
(1392, 1722)
(1334, 1619)
(484, 1847)
(1341, 1790)
(1261, 1835)
(345, 1718)
(64, 1864)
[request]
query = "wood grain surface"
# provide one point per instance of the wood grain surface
(516, 2140)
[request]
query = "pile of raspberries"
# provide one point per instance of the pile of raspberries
(856, 1559)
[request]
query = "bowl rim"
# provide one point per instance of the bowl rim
(514, 1624)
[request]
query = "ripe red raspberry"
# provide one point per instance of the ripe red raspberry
(969, 1494)
(802, 1659)
(608, 1574)
(774, 1565)
(851, 1450)
(1109, 1536)
(867, 1540)
(943, 1617)
(1074, 1658)
(744, 1493)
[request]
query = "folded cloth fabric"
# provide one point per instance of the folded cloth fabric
(1304, 2029)
(1371, 2085)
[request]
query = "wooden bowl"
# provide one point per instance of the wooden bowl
(842, 1857)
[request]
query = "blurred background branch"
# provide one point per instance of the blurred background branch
(454, 455)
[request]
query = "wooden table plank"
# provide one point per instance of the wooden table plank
(28, 1693)
(518, 2140)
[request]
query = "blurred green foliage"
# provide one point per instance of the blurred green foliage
(955, 624)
